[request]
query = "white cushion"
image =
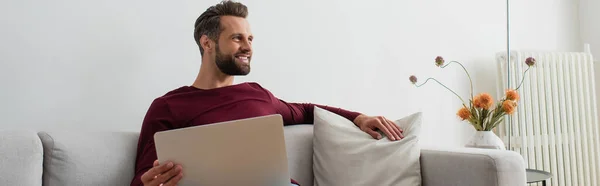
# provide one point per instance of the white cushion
(344, 155)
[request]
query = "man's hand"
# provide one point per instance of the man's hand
(370, 124)
(167, 174)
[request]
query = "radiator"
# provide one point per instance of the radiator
(555, 127)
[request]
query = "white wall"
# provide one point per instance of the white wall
(590, 25)
(545, 25)
(70, 64)
(590, 33)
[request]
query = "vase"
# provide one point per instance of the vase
(486, 140)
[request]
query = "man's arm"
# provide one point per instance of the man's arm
(303, 113)
(158, 118)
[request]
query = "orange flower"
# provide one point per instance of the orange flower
(464, 113)
(512, 95)
(509, 106)
(483, 100)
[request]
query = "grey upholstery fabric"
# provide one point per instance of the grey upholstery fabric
(299, 145)
(472, 167)
(107, 158)
(21, 158)
(88, 158)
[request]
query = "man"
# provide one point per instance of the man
(225, 42)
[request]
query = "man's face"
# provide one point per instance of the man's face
(234, 48)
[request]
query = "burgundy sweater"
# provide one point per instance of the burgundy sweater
(189, 106)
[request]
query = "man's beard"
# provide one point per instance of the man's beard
(228, 65)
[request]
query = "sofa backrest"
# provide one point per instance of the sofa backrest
(299, 145)
(108, 158)
(88, 158)
(21, 157)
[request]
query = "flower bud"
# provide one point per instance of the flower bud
(439, 61)
(413, 79)
(530, 61)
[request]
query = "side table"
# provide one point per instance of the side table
(534, 176)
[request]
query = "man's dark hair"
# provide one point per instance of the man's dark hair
(209, 23)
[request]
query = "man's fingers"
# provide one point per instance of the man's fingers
(392, 130)
(394, 124)
(173, 181)
(395, 128)
(383, 127)
(155, 171)
(163, 178)
(373, 133)
(147, 175)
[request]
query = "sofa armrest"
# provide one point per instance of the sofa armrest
(472, 167)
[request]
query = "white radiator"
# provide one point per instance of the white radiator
(555, 127)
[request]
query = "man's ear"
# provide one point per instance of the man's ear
(206, 43)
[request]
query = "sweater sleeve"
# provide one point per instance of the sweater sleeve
(158, 118)
(303, 113)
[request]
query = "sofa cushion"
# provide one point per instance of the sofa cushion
(299, 147)
(345, 155)
(108, 158)
(88, 158)
(21, 158)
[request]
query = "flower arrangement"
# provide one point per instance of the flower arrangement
(481, 112)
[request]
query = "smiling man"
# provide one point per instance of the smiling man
(225, 41)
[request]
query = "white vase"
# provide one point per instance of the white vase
(486, 140)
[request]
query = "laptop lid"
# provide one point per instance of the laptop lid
(249, 152)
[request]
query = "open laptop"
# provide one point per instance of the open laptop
(246, 152)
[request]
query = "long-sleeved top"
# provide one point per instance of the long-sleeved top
(189, 106)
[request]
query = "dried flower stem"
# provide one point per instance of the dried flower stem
(461, 99)
(481, 113)
(523, 79)
(465, 69)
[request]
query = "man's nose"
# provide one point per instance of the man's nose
(246, 46)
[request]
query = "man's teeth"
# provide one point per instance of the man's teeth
(243, 58)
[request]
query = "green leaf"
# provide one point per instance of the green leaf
(499, 120)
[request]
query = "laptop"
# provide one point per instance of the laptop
(248, 152)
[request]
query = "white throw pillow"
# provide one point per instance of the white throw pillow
(344, 155)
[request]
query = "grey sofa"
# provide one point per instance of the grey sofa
(104, 158)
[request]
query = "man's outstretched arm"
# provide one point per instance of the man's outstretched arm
(303, 113)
